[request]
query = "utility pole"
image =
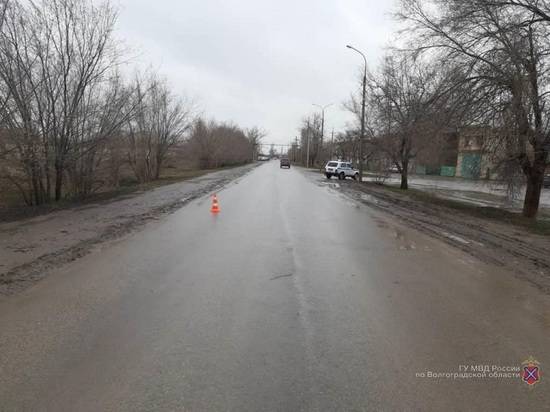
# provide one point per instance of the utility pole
(362, 141)
(332, 144)
(307, 138)
(322, 122)
(362, 137)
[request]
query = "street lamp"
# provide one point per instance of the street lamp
(362, 138)
(322, 119)
(307, 138)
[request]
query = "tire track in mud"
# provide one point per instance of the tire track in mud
(22, 277)
(516, 246)
(480, 238)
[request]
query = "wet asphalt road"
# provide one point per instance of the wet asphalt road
(292, 298)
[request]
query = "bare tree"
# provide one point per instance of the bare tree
(103, 113)
(409, 109)
(539, 8)
(3, 10)
(68, 121)
(310, 138)
(215, 145)
(76, 51)
(347, 144)
(255, 136)
(503, 46)
(52, 53)
(161, 120)
(19, 86)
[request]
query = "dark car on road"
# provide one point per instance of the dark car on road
(546, 182)
(285, 162)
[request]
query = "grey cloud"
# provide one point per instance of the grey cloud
(258, 62)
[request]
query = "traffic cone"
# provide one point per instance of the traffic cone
(215, 206)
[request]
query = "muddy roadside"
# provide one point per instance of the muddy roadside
(506, 245)
(30, 248)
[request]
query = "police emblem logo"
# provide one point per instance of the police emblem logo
(530, 373)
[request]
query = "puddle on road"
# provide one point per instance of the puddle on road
(401, 236)
(331, 185)
(456, 238)
(404, 242)
(381, 223)
(369, 198)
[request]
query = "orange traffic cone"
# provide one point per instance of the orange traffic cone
(215, 206)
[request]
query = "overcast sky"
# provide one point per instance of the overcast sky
(258, 62)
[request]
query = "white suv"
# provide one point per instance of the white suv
(341, 169)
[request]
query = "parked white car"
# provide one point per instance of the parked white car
(341, 170)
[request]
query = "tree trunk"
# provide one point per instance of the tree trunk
(36, 190)
(47, 172)
(532, 195)
(157, 172)
(58, 181)
(405, 175)
(158, 165)
(36, 182)
(48, 184)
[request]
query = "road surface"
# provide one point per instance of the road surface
(293, 298)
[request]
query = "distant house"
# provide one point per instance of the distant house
(435, 154)
(438, 155)
(474, 160)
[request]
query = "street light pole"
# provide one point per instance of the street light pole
(307, 137)
(332, 145)
(322, 120)
(362, 137)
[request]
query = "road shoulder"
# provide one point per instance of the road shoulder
(509, 246)
(30, 248)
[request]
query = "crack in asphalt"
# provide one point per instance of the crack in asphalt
(282, 276)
